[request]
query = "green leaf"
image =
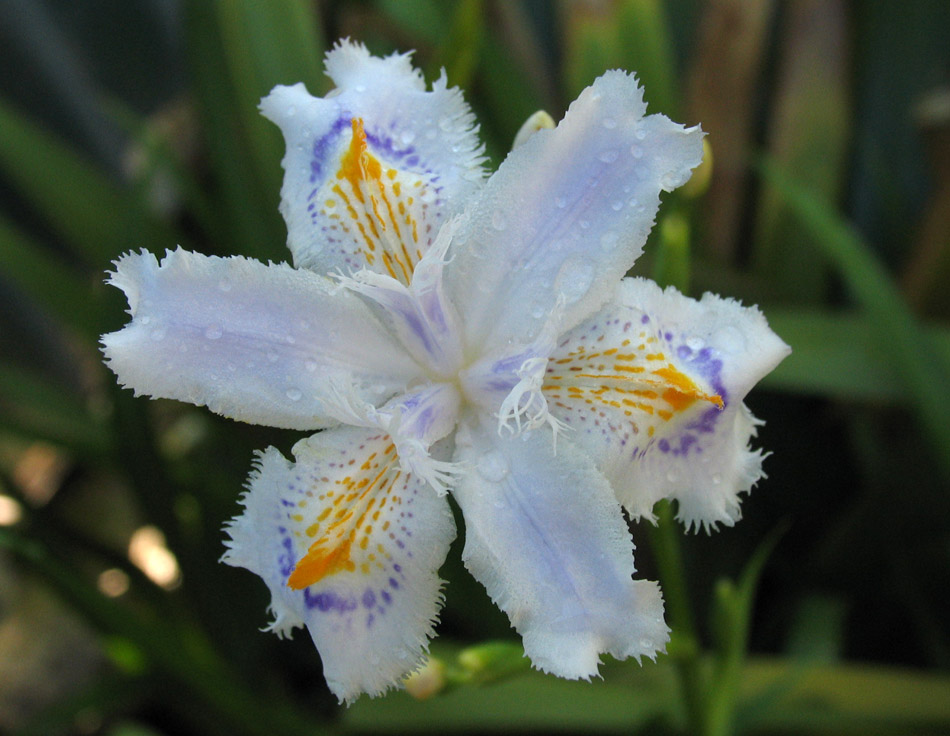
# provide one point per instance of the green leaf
(511, 97)
(34, 408)
(460, 48)
(731, 619)
(809, 135)
(630, 35)
(97, 218)
(923, 372)
(838, 354)
(232, 66)
(62, 290)
(266, 44)
(427, 20)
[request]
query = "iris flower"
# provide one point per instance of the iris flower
(453, 332)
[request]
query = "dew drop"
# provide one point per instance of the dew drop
(360, 87)
(717, 478)
(291, 111)
(561, 203)
(272, 356)
(145, 320)
(729, 339)
(608, 241)
(445, 124)
(498, 221)
(584, 224)
(609, 123)
(608, 157)
(294, 394)
(636, 151)
(224, 285)
(640, 134)
(616, 205)
(647, 643)
(407, 137)
(695, 343)
(158, 334)
(671, 477)
(492, 466)
(574, 279)
(310, 365)
(669, 182)
(213, 332)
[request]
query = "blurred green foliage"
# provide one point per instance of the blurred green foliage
(128, 125)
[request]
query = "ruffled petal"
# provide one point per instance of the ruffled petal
(350, 547)
(546, 537)
(566, 214)
(653, 385)
(262, 344)
(373, 169)
(418, 315)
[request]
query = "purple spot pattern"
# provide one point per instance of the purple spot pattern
(358, 598)
(326, 152)
(612, 416)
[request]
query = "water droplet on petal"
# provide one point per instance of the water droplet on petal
(729, 339)
(498, 221)
(646, 643)
(158, 334)
(294, 394)
(145, 320)
(213, 332)
(492, 466)
(272, 356)
(695, 343)
(608, 241)
(310, 365)
(584, 224)
(717, 478)
(224, 285)
(608, 157)
(616, 205)
(640, 134)
(636, 151)
(360, 87)
(574, 279)
(561, 203)
(407, 137)
(291, 111)
(671, 477)
(610, 123)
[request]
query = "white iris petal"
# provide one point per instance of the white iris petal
(470, 322)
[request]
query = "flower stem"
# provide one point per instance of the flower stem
(684, 646)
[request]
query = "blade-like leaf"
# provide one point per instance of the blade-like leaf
(839, 355)
(94, 216)
(38, 410)
(923, 373)
(65, 292)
